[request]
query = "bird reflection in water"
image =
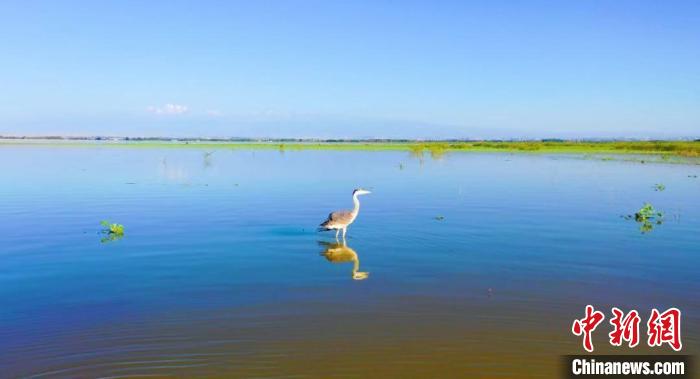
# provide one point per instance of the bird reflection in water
(341, 253)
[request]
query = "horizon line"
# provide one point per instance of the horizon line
(330, 140)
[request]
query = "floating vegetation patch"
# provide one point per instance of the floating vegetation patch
(647, 212)
(647, 216)
(111, 231)
(659, 187)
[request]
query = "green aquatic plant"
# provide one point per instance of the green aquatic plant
(647, 212)
(110, 237)
(646, 227)
(647, 216)
(111, 231)
(659, 187)
(110, 228)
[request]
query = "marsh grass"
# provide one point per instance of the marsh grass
(666, 149)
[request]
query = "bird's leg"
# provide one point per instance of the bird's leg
(344, 230)
(336, 234)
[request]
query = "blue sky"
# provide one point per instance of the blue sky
(463, 69)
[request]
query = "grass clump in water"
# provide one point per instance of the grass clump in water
(647, 212)
(113, 231)
(647, 216)
(659, 187)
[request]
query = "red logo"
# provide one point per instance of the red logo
(587, 325)
(662, 328)
(626, 328)
(665, 328)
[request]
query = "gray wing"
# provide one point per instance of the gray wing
(338, 218)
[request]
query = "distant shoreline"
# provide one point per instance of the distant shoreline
(676, 148)
(332, 140)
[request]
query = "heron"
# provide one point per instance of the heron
(340, 220)
(341, 253)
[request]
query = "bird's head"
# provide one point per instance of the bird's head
(360, 191)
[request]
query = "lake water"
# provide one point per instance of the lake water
(478, 263)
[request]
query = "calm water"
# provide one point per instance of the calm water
(221, 270)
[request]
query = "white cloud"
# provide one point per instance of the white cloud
(170, 109)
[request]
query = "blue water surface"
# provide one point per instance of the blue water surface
(220, 268)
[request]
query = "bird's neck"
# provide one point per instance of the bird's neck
(356, 201)
(355, 265)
